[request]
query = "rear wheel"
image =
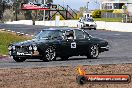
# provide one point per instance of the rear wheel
(18, 59)
(50, 54)
(93, 52)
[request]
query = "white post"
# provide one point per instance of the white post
(57, 21)
(87, 2)
(63, 3)
(87, 6)
(44, 11)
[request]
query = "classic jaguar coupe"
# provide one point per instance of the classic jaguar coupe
(58, 42)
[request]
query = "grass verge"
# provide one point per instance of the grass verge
(6, 38)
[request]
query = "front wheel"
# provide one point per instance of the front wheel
(18, 59)
(93, 52)
(94, 28)
(50, 54)
(81, 26)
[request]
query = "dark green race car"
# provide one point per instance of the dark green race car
(55, 42)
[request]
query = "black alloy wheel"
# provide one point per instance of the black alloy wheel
(50, 54)
(93, 52)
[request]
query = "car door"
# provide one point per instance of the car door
(68, 45)
(82, 41)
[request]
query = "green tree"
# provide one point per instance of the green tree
(81, 11)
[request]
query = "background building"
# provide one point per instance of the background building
(129, 7)
(112, 4)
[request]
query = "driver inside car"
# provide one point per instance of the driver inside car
(70, 36)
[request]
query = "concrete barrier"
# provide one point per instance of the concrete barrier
(69, 23)
(113, 26)
(26, 22)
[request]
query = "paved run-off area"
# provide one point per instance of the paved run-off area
(62, 74)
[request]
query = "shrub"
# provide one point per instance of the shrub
(96, 14)
(106, 11)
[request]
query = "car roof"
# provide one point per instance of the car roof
(61, 29)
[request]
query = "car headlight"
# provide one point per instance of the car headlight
(10, 48)
(30, 48)
(13, 47)
(35, 48)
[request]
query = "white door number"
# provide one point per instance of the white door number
(73, 45)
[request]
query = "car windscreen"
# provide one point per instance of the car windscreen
(49, 34)
(87, 34)
(89, 20)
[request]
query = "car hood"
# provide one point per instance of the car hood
(98, 39)
(30, 42)
(90, 23)
(103, 42)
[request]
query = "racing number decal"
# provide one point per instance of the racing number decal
(73, 45)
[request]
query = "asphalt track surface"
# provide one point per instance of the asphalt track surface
(120, 49)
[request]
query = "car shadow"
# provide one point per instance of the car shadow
(70, 59)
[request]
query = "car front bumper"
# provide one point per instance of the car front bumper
(106, 48)
(93, 26)
(24, 54)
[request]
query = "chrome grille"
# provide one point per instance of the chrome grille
(87, 24)
(91, 25)
(22, 49)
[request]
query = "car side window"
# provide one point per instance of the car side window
(57, 35)
(69, 34)
(79, 34)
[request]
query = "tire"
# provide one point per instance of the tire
(81, 80)
(64, 58)
(93, 52)
(18, 59)
(77, 26)
(81, 27)
(94, 28)
(49, 54)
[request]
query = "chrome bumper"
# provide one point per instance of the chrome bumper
(35, 53)
(105, 48)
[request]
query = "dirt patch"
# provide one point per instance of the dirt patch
(59, 77)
